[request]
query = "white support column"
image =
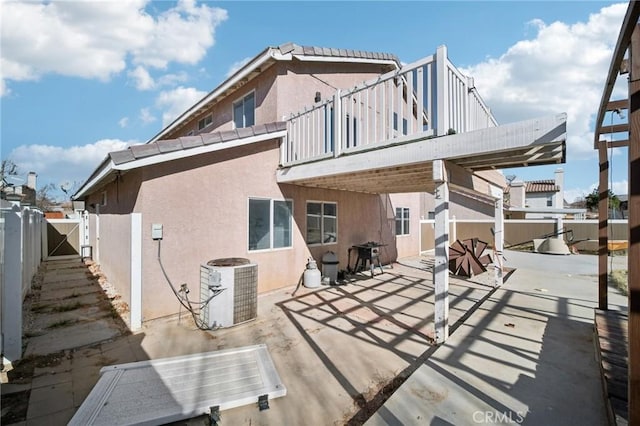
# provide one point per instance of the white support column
(136, 271)
(12, 285)
(442, 91)
(454, 229)
(498, 237)
(559, 227)
(441, 266)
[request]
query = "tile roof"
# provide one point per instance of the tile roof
(335, 52)
(532, 186)
(548, 185)
(137, 152)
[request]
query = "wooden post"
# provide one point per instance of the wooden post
(634, 229)
(441, 266)
(603, 214)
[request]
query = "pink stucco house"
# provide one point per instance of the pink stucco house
(215, 178)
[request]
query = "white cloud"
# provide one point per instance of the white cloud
(123, 122)
(182, 34)
(146, 116)
(55, 164)
(175, 102)
(236, 66)
(141, 78)
(93, 39)
(561, 69)
(171, 79)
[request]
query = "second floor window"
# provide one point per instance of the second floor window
(205, 122)
(244, 111)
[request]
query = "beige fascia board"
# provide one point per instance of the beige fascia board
(309, 58)
(103, 171)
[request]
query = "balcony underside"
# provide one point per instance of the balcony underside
(407, 167)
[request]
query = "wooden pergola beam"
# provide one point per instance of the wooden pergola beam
(614, 144)
(614, 128)
(624, 38)
(619, 104)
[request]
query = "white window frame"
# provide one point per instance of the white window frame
(203, 120)
(271, 230)
(233, 109)
(402, 221)
(322, 217)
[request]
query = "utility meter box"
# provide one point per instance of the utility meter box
(156, 231)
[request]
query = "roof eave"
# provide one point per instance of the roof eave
(176, 155)
(99, 174)
(108, 166)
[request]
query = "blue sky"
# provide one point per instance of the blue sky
(85, 78)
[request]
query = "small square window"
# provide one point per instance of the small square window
(205, 122)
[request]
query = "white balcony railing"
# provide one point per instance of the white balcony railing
(427, 98)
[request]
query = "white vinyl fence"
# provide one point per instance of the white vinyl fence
(20, 257)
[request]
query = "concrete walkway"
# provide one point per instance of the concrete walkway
(523, 351)
(526, 356)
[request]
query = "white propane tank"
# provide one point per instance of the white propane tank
(311, 275)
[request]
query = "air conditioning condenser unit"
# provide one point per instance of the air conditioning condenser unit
(228, 292)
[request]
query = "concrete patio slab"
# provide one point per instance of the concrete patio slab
(73, 336)
(526, 355)
(340, 351)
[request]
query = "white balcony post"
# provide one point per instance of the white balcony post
(337, 124)
(442, 91)
(441, 266)
(469, 124)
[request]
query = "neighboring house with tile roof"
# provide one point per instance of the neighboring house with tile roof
(538, 196)
(209, 178)
(23, 195)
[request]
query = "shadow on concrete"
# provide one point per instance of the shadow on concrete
(394, 312)
(525, 357)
